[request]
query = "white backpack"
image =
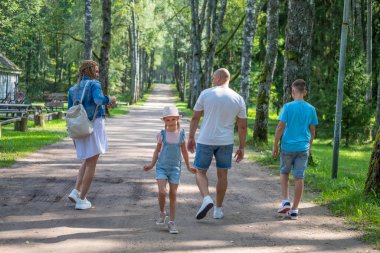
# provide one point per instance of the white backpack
(78, 125)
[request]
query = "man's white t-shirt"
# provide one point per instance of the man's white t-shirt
(221, 106)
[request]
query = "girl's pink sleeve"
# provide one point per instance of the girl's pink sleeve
(159, 137)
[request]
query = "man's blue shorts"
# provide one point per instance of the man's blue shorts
(296, 160)
(205, 153)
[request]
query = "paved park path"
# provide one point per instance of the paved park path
(36, 216)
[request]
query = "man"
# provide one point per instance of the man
(296, 128)
(221, 108)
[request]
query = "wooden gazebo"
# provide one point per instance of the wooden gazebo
(9, 74)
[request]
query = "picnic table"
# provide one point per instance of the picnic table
(11, 110)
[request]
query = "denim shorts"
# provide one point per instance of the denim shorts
(297, 160)
(205, 153)
(172, 175)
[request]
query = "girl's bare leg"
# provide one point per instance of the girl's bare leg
(161, 183)
(173, 200)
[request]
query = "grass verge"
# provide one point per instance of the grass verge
(15, 145)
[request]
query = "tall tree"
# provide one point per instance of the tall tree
(339, 92)
(134, 57)
(246, 58)
(377, 118)
(369, 48)
(298, 44)
(216, 27)
(151, 69)
(260, 130)
(88, 30)
(106, 46)
(196, 49)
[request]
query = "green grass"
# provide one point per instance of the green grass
(344, 195)
(15, 145)
(120, 110)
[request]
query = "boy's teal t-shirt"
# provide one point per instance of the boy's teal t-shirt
(298, 116)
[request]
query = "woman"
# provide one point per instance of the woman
(89, 148)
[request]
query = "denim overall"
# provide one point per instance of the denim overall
(169, 161)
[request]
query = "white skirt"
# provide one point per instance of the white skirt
(94, 144)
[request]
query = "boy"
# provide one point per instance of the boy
(297, 122)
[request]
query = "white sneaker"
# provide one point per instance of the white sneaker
(284, 207)
(82, 204)
(218, 213)
(161, 219)
(207, 204)
(74, 196)
(172, 227)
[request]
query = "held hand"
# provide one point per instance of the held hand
(239, 155)
(192, 170)
(148, 167)
(275, 151)
(112, 103)
(191, 145)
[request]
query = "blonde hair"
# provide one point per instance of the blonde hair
(87, 68)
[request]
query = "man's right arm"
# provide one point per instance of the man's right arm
(242, 131)
(193, 128)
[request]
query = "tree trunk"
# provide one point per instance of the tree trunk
(212, 42)
(151, 69)
(340, 91)
(134, 58)
(196, 32)
(248, 37)
(359, 22)
(377, 121)
(372, 184)
(106, 46)
(369, 49)
(88, 30)
(298, 44)
(260, 130)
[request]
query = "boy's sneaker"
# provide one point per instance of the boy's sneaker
(285, 207)
(218, 213)
(161, 219)
(74, 196)
(207, 204)
(293, 214)
(172, 227)
(82, 204)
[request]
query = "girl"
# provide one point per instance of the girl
(89, 148)
(170, 144)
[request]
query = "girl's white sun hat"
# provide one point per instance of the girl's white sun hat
(170, 111)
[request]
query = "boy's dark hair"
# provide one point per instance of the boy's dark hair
(300, 85)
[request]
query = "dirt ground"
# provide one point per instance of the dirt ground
(36, 216)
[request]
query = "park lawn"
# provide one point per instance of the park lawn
(344, 195)
(15, 145)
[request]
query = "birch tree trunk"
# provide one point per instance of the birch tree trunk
(88, 30)
(151, 69)
(211, 45)
(106, 46)
(260, 129)
(196, 52)
(248, 37)
(298, 44)
(134, 58)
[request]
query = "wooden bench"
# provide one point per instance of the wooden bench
(55, 101)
